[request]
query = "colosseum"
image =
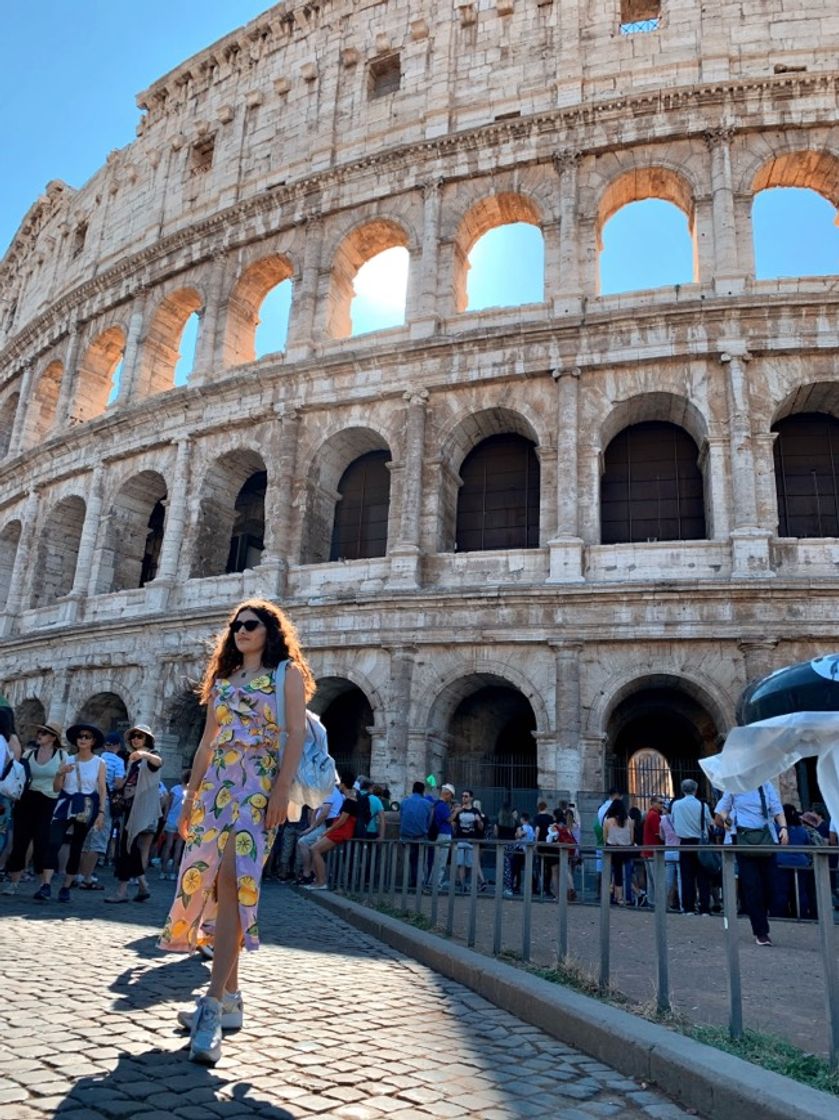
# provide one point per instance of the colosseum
(540, 546)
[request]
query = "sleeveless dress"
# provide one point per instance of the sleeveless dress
(229, 808)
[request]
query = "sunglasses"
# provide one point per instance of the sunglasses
(249, 624)
(85, 735)
(139, 735)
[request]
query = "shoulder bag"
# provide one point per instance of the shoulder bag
(84, 807)
(710, 861)
(757, 838)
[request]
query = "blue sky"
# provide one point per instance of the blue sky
(69, 77)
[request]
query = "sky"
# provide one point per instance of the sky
(74, 91)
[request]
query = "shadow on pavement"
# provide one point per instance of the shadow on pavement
(147, 983)
(148, 1080)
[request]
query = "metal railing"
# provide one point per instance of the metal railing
(384, 872)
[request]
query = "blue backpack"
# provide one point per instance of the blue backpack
(316, 775)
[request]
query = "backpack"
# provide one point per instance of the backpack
(364, 817)
(316, 775)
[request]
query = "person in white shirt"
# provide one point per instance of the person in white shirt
(759, 809)
(690, 817)
(326, 815)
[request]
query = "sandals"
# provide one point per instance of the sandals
(141, 896)
(123, 898)
(91, 887)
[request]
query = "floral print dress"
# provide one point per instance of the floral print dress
(229, 808)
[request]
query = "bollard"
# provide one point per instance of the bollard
(498, 916)
(605, 917)
(663, 985)
(732, 948)
(562, 908)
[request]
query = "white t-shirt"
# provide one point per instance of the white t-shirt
(87, 771)
(335, 802)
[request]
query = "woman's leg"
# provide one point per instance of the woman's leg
(77, 839)
(227, 940)
(144, 843)
(319, 850)
(25, 818)
(58, 832)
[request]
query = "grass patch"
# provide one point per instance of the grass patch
(418, 921)
(771, 1053)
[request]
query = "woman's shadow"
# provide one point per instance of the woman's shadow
(163, 1081)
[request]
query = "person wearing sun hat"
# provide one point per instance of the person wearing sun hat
(140, 789)
(33, 812)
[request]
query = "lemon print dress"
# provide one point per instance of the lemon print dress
(229, 808)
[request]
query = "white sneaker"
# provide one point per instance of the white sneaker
(232, 1012)
(9, 888)
(205, 1040)
(315, 886)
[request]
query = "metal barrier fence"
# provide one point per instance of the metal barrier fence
(387, 872)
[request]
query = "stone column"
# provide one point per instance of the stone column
(128, 383)
(21, 569)
(207, 347)
(282, 469)
(22, 408)
(397, 718)
(83, 577)
(565, 292)
(146, 709)
(421, 312)
(69, 377)
(569, 762)
(749, 542)
(159, 590)
(566, 548)
(59, 696)
(728, 276)
(713, 455)
(405, 554)
(301, 327)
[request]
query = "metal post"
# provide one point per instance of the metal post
(663, 987)
(417, 885)
(384, 853)
(732, 948)
(527, 903)
(435, 887)
(499, 898)
(406, 871)
(562, 908)
(366, 859)
(452, 881)
(605, 916)
(473, 895)
(356, 864)
(394, 863)
(827, 941)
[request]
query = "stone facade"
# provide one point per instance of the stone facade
(300, 146)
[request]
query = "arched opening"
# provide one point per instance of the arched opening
(795, 234)
(325, 522)
(498, 501)
(806, 453)
(362, 508)
(258, 311)
(106, 711)
(794, 228)
(134, 534)
(386, 301)
(506, 268)
(98, 375)
(380, 289)
(29, 715)
(491, 744)
(58, 550)
(43, 404)
(185, 720)
(651, 488)
(231, 518)
(501, 232)
(655, 737)
(8, 411)
(9, 542)
(169, 349)
(652, 241)
(347, 715)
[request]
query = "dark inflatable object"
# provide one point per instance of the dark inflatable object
(810, 686)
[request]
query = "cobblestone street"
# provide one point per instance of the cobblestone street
(337, 1025)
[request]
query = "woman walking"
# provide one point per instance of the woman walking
(81, 789)
(237, 796)
(33, 813)
(618, 833)
(141, 793)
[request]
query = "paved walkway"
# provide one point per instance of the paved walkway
(337, 1025)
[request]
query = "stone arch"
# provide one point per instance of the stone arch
(438, 699)
(328, 465)
(642, 183)
(219, 521)
(105, 710)
(348, 714)
(134, 534)
(806, 461)
(259, 278)
(811, 396)
(668, 407)
(703, 689)
(8, 412)
(161, 346)
(816, 169)
(9, 544)
(29, 714)
(488, 213)
(457, 443)
(95, 374)
(360, 245)
(58, 550)
(41, 411)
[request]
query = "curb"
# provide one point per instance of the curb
(718, 1085)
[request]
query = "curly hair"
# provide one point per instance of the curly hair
(281, 644)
